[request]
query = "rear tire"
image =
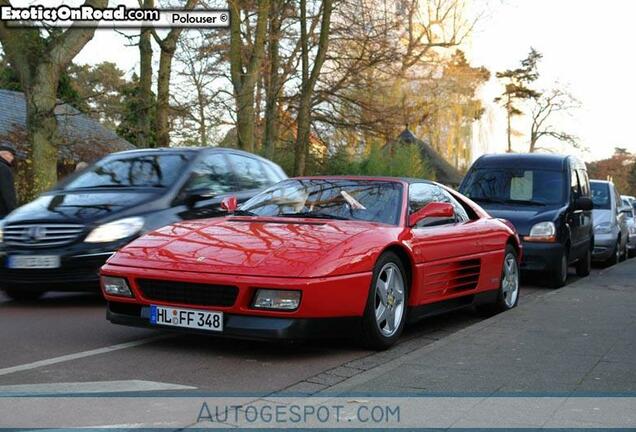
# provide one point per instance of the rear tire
(385, 313)
(508, 295)
(559, 277)
(584, 264)
(623, 255)
(21, 295)
(615, 258)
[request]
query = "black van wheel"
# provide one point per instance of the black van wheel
(584, 264)
(21, 295)
(559, 277)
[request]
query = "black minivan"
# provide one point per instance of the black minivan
(547, 198)
(59, 241)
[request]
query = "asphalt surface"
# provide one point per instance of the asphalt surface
(65, 338)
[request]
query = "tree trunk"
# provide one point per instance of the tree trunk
(272, 88)
(41, 125)
(168, 47)
(145, 85)
(303, 121)
(162, 123)
(203, 132)
(508, 129)
(39, 62)
(244, 79)
(245, 120)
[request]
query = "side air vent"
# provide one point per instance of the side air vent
(453, 277)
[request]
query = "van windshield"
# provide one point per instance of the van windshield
(514, 186)
(145, 170)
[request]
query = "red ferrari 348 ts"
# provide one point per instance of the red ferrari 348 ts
(319, 256)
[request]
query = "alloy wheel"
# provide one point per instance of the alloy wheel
(389, 299)
(510, 281)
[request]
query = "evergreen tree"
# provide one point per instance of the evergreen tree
(517, 88)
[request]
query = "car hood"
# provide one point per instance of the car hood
(523, 218)
(83, 207)
(277, 247)
(600, 216)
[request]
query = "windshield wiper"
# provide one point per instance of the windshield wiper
(488, 200)
(526, 202)
(239, 212)
(314, 215)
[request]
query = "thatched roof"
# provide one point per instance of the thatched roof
(83, 138)
(445, 173)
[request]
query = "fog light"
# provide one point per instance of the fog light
(276, 299)
(116, 286)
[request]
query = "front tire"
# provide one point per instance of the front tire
(616, 255)
(559, 277)
(21, 295)
(385, 312)
(508, 295)
(584, 265)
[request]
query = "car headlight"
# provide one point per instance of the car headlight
(287, 300)
(603, 228)
(542, 232)
(116, 286)
(115, 230)
(632, 229)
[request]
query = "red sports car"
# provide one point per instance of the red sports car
(319, 256)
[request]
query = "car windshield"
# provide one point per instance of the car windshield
(149, 170)
(365, 200)
(514, 186)
(601, 195)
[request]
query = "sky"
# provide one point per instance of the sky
(587, 46)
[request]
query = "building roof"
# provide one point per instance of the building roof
(83, 138)
(445, 173)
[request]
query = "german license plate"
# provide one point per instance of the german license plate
(187, 318)
(33, 261)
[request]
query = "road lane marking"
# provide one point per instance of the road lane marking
(80, 355)
(117, 386)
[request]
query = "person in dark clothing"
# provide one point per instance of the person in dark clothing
(8, 200)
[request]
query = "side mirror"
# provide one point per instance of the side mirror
(583, 203)
(229, 204)
(199, 194)
(438, 210)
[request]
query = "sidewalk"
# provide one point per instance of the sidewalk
(579, 338)
(577, 344)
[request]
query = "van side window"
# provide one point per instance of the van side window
(574, 185)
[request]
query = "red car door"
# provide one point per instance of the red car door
(447, 252)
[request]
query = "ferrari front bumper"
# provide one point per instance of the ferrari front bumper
(245, 326)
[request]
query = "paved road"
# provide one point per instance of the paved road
(64, 338)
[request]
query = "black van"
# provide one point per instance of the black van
(59, 241)
(547, 198)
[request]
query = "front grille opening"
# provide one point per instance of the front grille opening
(41, 234)
(188, 293)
